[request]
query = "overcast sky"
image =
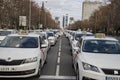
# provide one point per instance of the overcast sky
(58, 8)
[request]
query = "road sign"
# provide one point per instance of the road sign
(22, 21)
(40, 26)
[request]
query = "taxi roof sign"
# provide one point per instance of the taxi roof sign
(23, 32)
(84, 32)
(79, 30)
(99, 35)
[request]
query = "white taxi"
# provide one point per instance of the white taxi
(51, 38)
(5, 32)
(45, 43)
(21, 55)
(76, 38)
(97, 58)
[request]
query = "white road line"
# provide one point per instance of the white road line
(57, 70)
(59, 49)
(60, 42)
(59, 54)
(58, 60)
(58, 77)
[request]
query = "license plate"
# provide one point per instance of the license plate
(7, 69)
(112, 78)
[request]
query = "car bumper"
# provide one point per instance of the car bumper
(52, 42)
(24, 70)
(90, 75)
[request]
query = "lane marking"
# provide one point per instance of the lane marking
(60, 46)
(59, 54)
(60, 42)
(58, 60)
(59, 49)
(58, 77)
(57, 70)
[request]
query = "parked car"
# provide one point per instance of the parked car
(51, 38)
(76, 38)
(97, 58)
(5, 32)
(21, 55)
(46, 45)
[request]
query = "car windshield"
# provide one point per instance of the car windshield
(78, 36)
(43, 35)
(89, 35)
(50, 34)
(4, 33)
(19, 42)
(101, 46)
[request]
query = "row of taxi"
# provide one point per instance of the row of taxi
(5, 32)
(96, 57)
(23, 54)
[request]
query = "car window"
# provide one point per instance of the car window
(101, 46)
(50, 34)
(78, 36)
(4, 33)
(19, 42)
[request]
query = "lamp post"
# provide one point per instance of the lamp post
(30, 14)
(43, 13)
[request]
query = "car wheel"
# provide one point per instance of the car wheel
(39, 69)
(77, 72)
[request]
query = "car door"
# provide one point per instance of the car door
(43, 56)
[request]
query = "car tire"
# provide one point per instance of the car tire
(45, 62)
(39, 69)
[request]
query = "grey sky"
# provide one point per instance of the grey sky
(58, 8)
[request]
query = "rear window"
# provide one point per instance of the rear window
(50, 34)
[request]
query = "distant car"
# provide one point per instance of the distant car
(51, 38)
(5, 32)
(76, 38)
(46, 45)
(97, 58)
(21, 55)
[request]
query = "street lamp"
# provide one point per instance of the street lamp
(30, 14)
(44, 13)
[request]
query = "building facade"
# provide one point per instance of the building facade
(88, 8)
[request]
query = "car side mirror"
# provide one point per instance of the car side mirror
(77, 50)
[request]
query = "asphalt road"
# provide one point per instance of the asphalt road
(59, 63)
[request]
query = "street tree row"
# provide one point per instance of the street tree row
(10, 10)
(106, 19)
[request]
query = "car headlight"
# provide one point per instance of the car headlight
(30, 60)
(90, 67)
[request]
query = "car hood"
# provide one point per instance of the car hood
(17, 53)
(103, 60)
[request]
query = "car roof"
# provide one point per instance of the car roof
(94, 38)
(29, 35)
(50, 32)
(8, 30)
(83, 32)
